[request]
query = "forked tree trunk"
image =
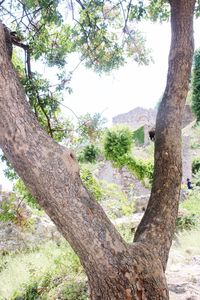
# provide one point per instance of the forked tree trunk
(115, 269)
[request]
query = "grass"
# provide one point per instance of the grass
(20, 270)
(53, 271)
(192, 203)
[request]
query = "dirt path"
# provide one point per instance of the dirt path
(183, 277)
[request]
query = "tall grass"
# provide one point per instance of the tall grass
(19, 270)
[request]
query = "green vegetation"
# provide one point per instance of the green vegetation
(88, 154)
(117, 147)
(22, 192)
(196, 85)
(190, 218)
(138, 136)
(192, 203)
(7, 210)
(46, 272)
(196, 165)
(117, 144)
(93, 185)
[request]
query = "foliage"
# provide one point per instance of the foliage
(23, 193)
(91, 183)
(142, 168)
(187, 222)
(90, 127)
(12, 210)
(138, 136)
(75, 291)
(117, 148)
(196, 85)
(196, 165)
(9, 172)
(89, 154)
(8, 210)
(117, 144)
(126, 231)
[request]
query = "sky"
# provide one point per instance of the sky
(129, 87)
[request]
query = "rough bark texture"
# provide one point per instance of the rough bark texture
(158, 224)
(115, 270)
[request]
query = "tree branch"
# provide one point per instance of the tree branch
(158, 224)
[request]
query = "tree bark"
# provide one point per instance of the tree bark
(158, 224)
(115, 269)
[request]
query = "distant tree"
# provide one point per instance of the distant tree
(196, 85)
(90, 127)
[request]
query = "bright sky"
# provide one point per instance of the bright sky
(125, 89)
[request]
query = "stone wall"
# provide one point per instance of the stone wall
(127, 181)
(137, 117)
(147, 117)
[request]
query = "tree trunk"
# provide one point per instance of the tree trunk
(158, 224)
(115, 269)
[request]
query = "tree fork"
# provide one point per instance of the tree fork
(115, 269)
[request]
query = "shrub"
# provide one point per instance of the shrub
(117, 144)
(195, 165)
(192, 203)
(89, 154)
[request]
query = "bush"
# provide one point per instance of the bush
(117, 144)
(192, 203)
(89, 154)
(195, 165)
